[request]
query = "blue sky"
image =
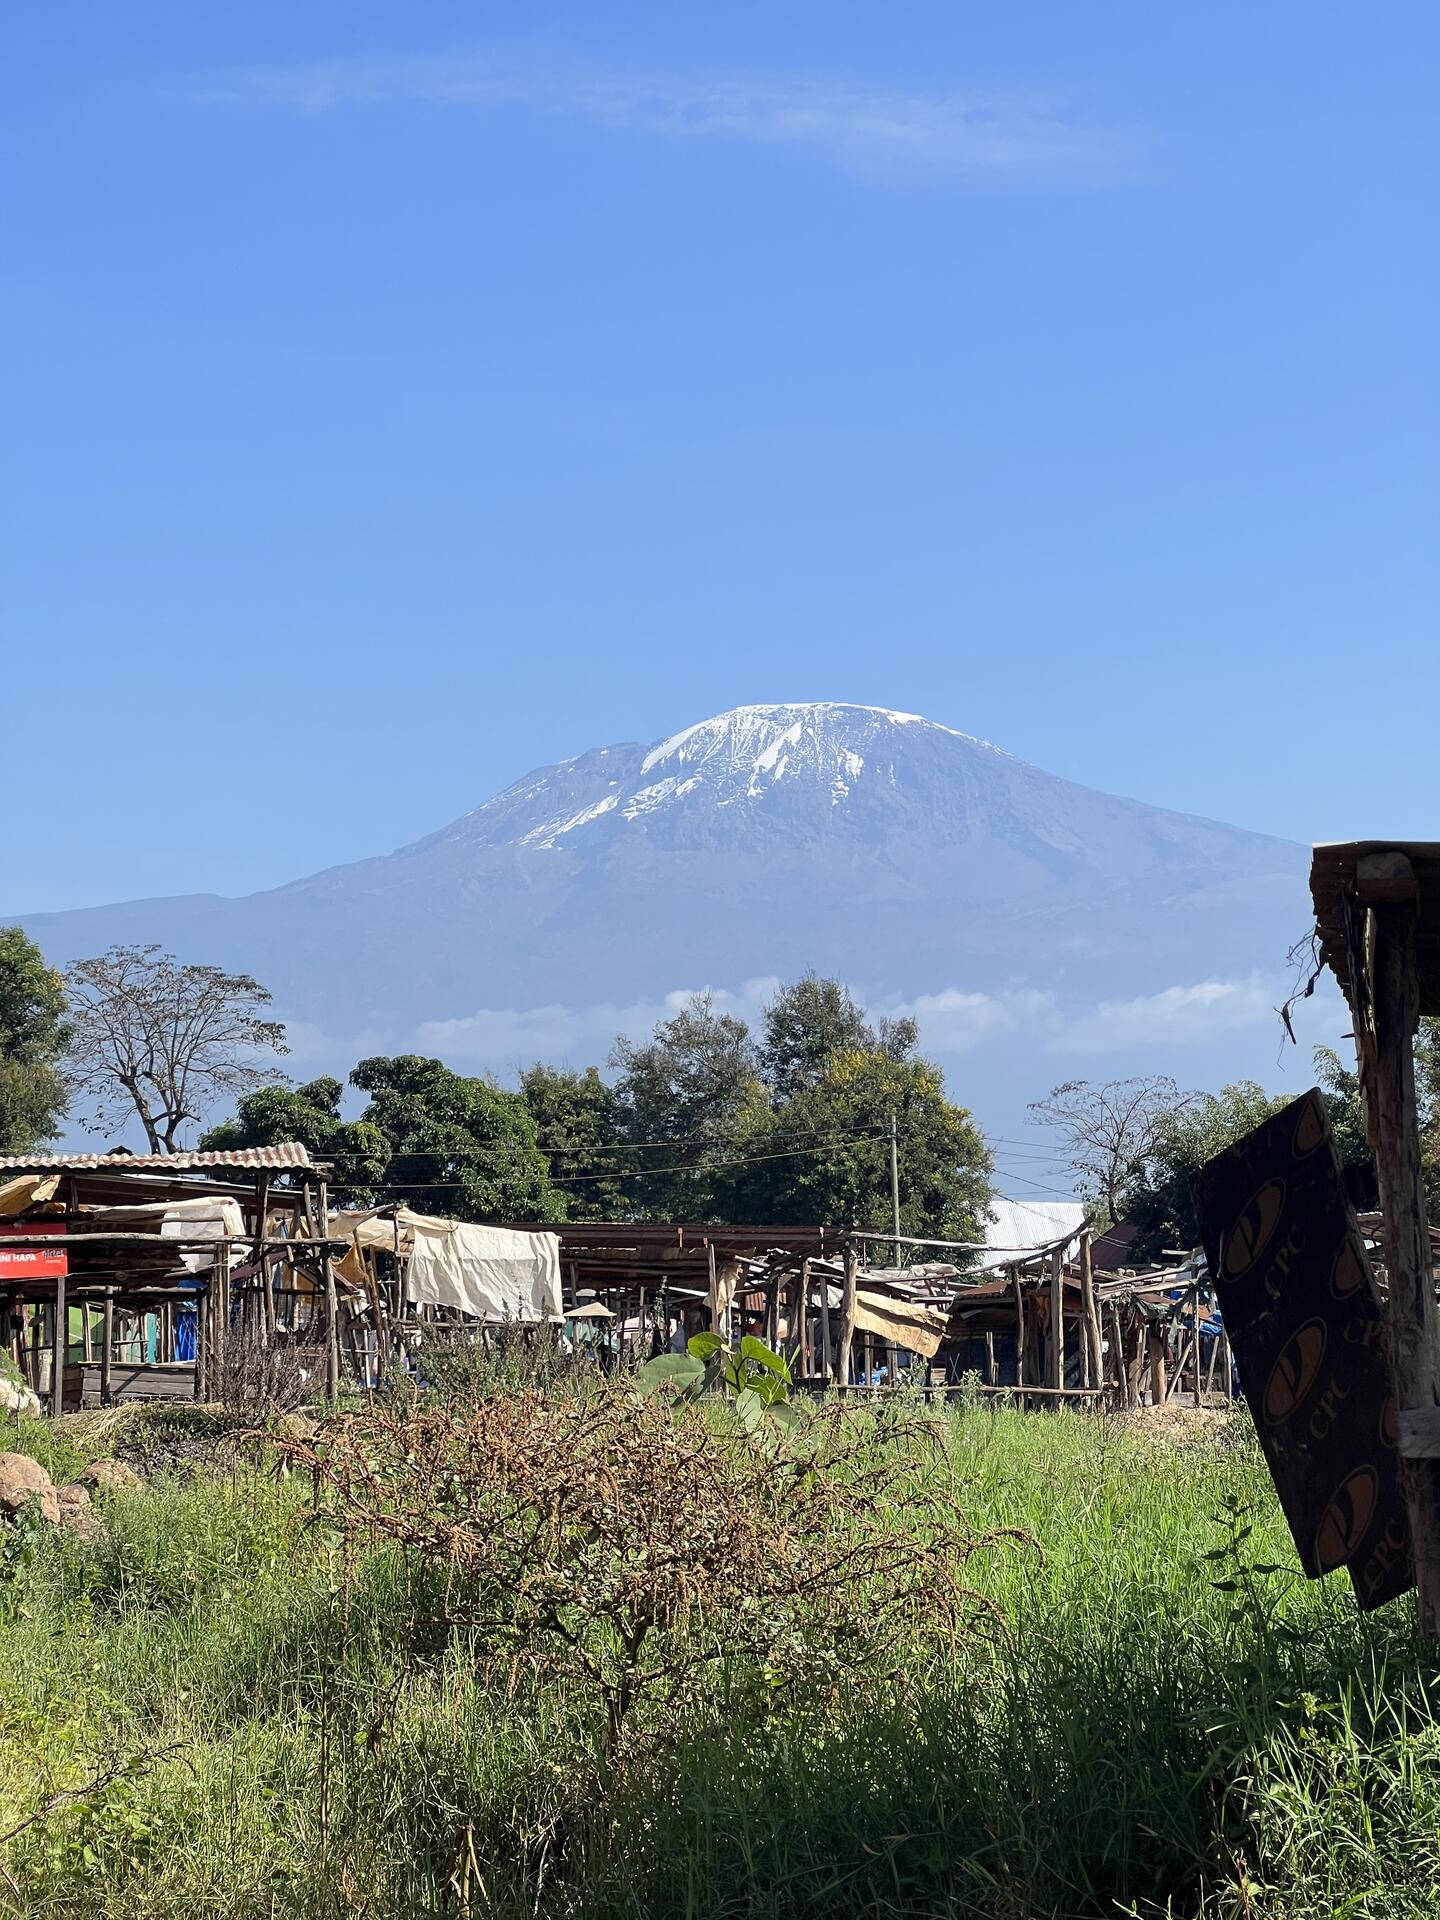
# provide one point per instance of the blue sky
(399, 398)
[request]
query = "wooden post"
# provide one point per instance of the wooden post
(1385, 1043)
(87, 1351)
(827, 1367)
(990, 1379)
(332, 1307)
(713, 1275)
(262, 1265)
(1195, 1353)
(1019, 1337)
(1057, 1320)
(1095, 1373)
(107, 1345)
(803, 1303)
(1159, 1385)
(847, 1318)
(59, 1346)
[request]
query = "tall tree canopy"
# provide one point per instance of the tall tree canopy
(825, 1154)
(576, 1119)
(33, 1039)
(271, 1116)
(681, 1102)
(163, 1041)
(457, 1146)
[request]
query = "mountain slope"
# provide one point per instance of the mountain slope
(901, 854)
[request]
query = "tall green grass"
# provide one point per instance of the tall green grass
(1156, 1733)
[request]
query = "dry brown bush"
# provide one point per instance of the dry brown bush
(646, 1550)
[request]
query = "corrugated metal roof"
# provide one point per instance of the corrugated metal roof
(289, 1155)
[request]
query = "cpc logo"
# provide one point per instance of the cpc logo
(1293, 1374)
(1346, 1520)
(1309, 1128)
(1253, 1231)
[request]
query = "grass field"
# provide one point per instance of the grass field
(250, 1724)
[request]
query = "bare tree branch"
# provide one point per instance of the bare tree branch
(1110, 1131)
(164, 1041)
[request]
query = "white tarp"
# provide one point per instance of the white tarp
(202, 1219)
(492, 1273)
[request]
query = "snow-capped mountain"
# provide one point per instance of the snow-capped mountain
(911, 859)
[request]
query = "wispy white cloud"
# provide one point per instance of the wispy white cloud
(501, 1037)
(1183, 1016)
(955, 1020)
(898, 134)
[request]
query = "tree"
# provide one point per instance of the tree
(271, 1116)
(457, 1147)
(1109, 1132)
(681, 1101)
(1346, 1102)
(162, 1040)
(33, 1039)
(1157, 1197)
(825, 1155)
(577, 1124)
(806, 1025)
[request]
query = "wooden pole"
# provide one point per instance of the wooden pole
(1385, 1042)
(1093, 1342)
(847, 1322)
(827, 1353)
(1019, 1336)
(1057, 1320)
(806, 1350)
(107, 1346)
(713, 1275)
(332, 1307)
(59, 1346)
(990, 1379)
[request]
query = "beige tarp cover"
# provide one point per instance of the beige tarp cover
(29, 1190)
(491, 1273)
(901, 1322)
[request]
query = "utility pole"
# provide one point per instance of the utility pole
(895, 1187)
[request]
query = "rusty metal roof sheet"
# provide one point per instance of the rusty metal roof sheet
(290, 1156)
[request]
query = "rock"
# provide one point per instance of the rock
(16, 1397)
(108, 1476)
(21, 1480)
(77, 1512)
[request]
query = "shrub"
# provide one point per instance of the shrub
(649, 1551)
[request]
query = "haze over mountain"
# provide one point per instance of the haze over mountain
(930, 870)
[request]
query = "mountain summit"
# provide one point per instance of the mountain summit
(769, 763)
(908, 858)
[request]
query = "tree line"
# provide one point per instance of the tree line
(702, 1120)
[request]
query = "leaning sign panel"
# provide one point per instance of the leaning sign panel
(1299, 1305)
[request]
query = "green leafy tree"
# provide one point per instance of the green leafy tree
(457, 1146)
(1341, 1085)
(825, 1155)
(33, 1040)
(576, 1119)
(682, 1101)
(1158, 1196)
(358, 1150)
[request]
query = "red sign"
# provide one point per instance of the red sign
(32, 1263)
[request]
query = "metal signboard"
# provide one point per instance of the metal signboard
(32, 1263)
(1300, 1308)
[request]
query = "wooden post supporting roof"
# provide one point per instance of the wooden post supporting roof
(1377, 910)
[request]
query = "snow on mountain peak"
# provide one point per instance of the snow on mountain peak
(811, 755)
